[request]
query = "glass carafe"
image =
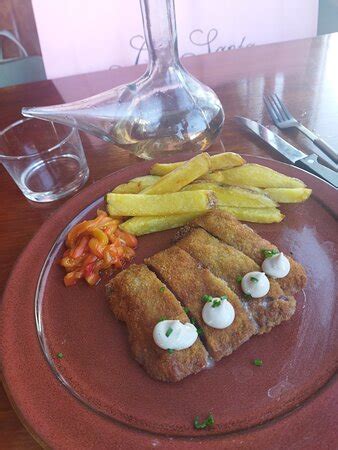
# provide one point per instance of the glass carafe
(166, 110)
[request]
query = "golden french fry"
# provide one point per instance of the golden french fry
(146, 180)
(139, 226)
(164, 168)
(288, 195)
(226, 161)
(258, 215)
(243, 186)
(220, 161)
(254, 175)
(234, 195)
(181, 176)
(250, 188)
(150, 224)
(127, 188)
(136, 185)
(215, 177)
(159, 205)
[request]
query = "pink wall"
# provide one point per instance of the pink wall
(79, 36)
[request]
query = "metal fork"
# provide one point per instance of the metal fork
(283, 119)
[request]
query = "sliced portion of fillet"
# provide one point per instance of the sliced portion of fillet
(229, 230)
(190, 281)
(137, 298)
(228, 263)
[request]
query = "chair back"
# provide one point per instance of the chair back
(21, 69)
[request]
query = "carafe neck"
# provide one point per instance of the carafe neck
(159, 26)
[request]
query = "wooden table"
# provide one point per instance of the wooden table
(304, 73)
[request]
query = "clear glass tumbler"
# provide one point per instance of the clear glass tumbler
(45, 159)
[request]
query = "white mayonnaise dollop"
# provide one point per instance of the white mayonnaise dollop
(255, 284)
(174, 334)
(218, 313)
(276, 266)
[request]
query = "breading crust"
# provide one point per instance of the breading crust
(189, 284)
(228, 229)
(229, 263)
(136, 298)
(210, 255)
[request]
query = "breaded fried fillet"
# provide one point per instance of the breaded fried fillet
(137, 298)
(229, 230)
(190, 281)
(229, 263)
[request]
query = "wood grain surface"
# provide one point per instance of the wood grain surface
(304, 73)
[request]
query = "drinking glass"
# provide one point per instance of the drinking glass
(45, 159)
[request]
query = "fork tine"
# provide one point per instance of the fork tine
(287, 113)
(271, 110)
(277, 110)
(281, 113)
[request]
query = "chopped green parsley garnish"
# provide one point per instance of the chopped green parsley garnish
(224, 297)
(268, 253)
(170, 351)
(162, 318)
(247, 296)
(257, 362)
(216, 303)
(60, 355)
(192, 320)
(209, 422)
(206, 298)
(254, 279)
(162, 288)
(239, 278)
(169, 331)
(186, 310)
(199, 331)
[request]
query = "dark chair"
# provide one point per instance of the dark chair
(22, 69)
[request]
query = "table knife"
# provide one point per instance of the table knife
(289, 152)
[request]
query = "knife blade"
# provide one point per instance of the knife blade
(289, 152)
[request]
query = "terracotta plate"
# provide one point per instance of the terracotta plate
(98, 396)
